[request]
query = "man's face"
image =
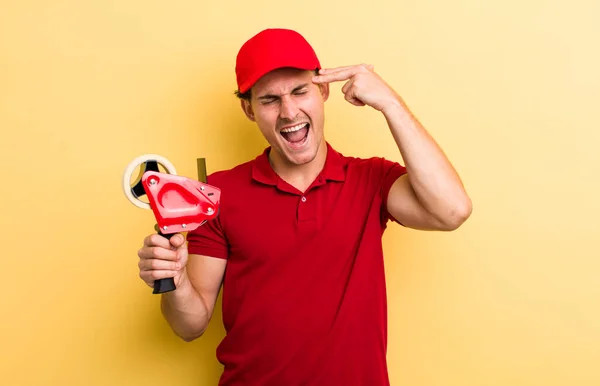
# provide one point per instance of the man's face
(289, 111)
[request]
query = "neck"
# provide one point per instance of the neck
(299, 176)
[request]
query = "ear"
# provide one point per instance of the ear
(247, 108)
(324, 88)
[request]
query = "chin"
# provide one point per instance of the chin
(302, 159)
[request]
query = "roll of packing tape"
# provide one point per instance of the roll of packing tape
(133, 165)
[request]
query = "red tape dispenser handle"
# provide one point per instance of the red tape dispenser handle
(179, 203)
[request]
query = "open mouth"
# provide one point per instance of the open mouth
(296, 135)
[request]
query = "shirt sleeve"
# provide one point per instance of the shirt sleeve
(209, 239)
(391, 172)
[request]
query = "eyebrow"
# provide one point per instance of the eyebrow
(273, 96)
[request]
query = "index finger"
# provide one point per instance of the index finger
(340, 75)
(334, 69)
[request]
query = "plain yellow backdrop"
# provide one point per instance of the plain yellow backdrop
(510, 90)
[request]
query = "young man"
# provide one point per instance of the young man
(297, 244)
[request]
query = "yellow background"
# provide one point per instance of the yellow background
(510, 89)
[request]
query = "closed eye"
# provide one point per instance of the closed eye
(300, 90)
(269, 98)
(265, 100)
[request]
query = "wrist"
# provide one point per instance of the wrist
(393, 108)
(395, 111)
(400, 119)
(183, 281)
(182, 286)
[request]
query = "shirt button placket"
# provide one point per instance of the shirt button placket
(302, 209)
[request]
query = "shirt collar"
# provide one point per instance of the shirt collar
(333, 170)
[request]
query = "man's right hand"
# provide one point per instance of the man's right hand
(161, 258)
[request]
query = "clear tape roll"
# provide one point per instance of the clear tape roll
(133, 165)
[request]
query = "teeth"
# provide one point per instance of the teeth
(294, 128)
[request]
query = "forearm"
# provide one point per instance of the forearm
(434, 180)
(185, 310)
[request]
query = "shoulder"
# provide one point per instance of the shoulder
(370, 165)
(375, 172)
(227, 177)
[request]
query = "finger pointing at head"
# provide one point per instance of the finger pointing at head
(334, 76)
(340, 73)
(335, 69)
(357, 67)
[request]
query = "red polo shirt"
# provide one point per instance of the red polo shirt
(304, 294)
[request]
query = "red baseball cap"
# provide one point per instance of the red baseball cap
(271, 49)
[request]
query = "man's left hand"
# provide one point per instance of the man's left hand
(363, 86)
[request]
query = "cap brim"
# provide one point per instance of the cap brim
(247, 85)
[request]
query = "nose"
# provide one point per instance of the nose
(289, 109)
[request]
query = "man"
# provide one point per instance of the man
(297, 244)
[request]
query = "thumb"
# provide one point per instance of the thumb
(177, 240)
